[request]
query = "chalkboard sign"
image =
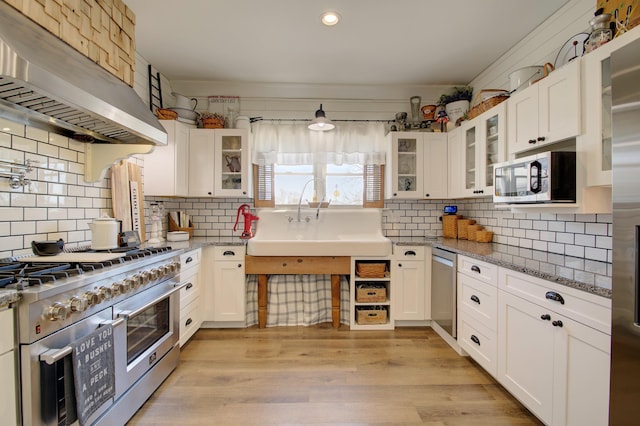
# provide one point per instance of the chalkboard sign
(94, 371)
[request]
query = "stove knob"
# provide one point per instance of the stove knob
(58, 311)
(105, 293)
(165, 269)
(142, 277)
(173, 267)
(127, 285)
(153, 274)
(178, 266)
(117, 289)
(92, 297)
(136, 281)
(79, 303)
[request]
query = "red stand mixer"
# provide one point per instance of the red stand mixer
(248, 220)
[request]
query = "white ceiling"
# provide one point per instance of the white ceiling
(409, 42)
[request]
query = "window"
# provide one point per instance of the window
(339, 185)
(345, 185)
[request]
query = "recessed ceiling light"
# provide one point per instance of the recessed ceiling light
(330, 18)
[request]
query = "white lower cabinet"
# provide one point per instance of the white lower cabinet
(409, 285)
(477, 311)
(8, 378)
(556, 366)
(228, 287)
(190, 311)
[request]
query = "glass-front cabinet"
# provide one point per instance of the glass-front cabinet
(596, 68)
(406, 166)
(218, 163)
(483, 145)
(232, 163)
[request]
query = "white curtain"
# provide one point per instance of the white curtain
(294, 144)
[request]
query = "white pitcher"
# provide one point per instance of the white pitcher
(184, 103)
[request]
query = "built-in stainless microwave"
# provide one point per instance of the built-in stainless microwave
(549, 177)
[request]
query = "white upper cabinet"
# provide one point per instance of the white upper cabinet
(218, 163)
(418, 166)
(482, 146)
(165, 169)
(545, 112)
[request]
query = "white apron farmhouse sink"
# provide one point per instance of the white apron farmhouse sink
(334, 232)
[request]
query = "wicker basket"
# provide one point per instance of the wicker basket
(371, 293)
(450, 225)
(371, 270)
(463, 224)
(371, 315)
(166, 114)
(472, 230)
(174, 227)
(213, 123)
(487, 99)
(484, 236)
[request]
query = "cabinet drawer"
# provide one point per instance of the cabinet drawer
(190, 258)
(482, 271)
(191, 290)
(229, 253)
(478, 300)
(586, 308)
(479, 342)
(408, 253)
(189, 321)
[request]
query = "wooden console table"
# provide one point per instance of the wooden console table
(263, 266)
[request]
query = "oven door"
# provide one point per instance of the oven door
(152, 330)
(48, 390)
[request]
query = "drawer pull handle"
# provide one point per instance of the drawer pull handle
(409, 253)
(475, 268)
(239, 265)
(556, 297)
(545, 317)
(475, 298)
(188, 322)
(475, 339)
(189, 286)
(229, 253)
(557, 323)
(189, 260)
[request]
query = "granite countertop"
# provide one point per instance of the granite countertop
(8, 296)
(200, 242)
(583, 274)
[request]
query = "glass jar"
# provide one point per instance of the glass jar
(600, 32)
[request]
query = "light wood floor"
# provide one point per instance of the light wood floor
(317, 375)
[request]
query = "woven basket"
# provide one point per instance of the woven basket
(493, 98)
(371, 270)
(166, 114)
(462, 227)
(450, 225)
(484, 236)
(213, 123)
(472, 230)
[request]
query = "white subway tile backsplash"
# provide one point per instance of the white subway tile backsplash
(36, 134)
(21, 228)
(45, 226)
(11, 127)
(596, 228)
(585, 240)
(575, 227)
(35, 213)
(577, 251)
(24, 144)
(585, 218)
(48, 150)
(565, 237)
(595, 254)
(5, 140)
(58, 140)
(555, 248)
(21, 199)
(604, 242)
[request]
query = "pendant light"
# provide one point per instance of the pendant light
(321, 123)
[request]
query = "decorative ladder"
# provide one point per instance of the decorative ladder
(155, 90)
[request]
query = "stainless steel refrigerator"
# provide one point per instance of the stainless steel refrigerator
(625, 315)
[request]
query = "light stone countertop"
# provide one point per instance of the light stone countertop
(7, 297)
(582, 274)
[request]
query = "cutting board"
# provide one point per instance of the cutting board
(127, 197)
(72, 257)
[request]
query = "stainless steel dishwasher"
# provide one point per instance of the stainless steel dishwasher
(443, 290)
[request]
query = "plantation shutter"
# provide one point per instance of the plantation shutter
(373, 177)
(263, 186)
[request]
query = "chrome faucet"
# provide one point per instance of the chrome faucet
(301, 194)
(320, 204)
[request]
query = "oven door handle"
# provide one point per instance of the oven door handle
(128, 314)
(54, 355)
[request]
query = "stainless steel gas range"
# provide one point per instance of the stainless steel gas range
(130, 298)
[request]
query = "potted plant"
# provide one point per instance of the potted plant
(456, 104)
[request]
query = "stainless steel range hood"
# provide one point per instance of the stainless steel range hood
(46, 83)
